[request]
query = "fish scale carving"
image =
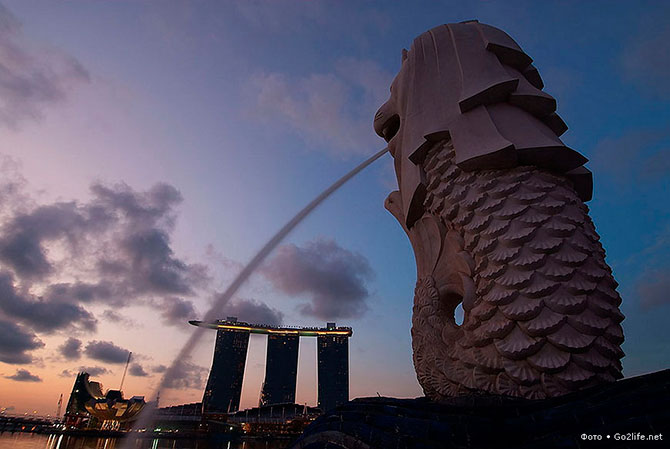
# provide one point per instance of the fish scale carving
(545, 317)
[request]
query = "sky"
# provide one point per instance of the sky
(149, 149)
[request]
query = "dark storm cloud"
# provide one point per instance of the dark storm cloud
(31, 78)
(137, 370)
(106, 351)
(333, 277)
(23, 375)
(71, 349)
(16, 343)
(252, 311)
(41, 315)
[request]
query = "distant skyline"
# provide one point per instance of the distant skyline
(151, 148)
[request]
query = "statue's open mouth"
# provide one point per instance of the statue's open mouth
(391, 127)
(386, 122)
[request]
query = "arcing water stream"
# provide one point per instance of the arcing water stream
(146, 418)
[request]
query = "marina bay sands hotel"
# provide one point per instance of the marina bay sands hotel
(224, 386)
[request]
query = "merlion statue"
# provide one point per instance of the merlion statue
(493, 204)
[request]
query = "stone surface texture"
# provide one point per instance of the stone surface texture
(493, 204)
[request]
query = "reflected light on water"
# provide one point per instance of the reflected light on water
(53, 441)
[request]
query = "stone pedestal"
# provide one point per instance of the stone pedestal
(630, 407)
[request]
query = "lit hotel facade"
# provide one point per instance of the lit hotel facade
(224, 385)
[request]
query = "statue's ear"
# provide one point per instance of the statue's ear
(404, 55)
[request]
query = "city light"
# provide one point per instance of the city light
(262, 329)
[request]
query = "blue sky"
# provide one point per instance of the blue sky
(248, 110)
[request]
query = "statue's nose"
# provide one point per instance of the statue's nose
(386, 121)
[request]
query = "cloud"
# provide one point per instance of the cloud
(119, 240)
(154, 267)
(61, 258)
(83, 292)
(305, 19)
(158, 369)
(333, 111)
(30, 77)
(137, 370)
(128, 232)
(653, 289)
(142, 257)
(106, 351)
(23, 375)
(115, 317)
(645, 59)
(16, 343)
(657, 165)
(23, 237)
(185, 375)
(45, 316)
(147, 209)
(333, 277)
(71, 349)
(93, 371)
(638, 156)
(252, 311)
(12, 185)
(176, 311)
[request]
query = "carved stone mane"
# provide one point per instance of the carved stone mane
(493, 204)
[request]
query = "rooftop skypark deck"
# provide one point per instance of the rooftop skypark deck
(232, 324)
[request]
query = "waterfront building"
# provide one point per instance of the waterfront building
(281, 369)
(224, 385)
(333, 370)
(88, 407)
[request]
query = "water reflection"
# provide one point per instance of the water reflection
(37, 441)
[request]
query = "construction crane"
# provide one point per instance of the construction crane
(125, 370)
